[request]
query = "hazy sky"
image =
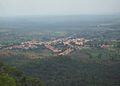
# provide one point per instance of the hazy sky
(58, 7)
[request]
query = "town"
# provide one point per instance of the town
(70, 44)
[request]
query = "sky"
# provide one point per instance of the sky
(58, 7)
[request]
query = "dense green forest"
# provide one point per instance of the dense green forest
(86, 67)
(10, 76)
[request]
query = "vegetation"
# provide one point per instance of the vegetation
(11, 77)
(95, 63)
(6, 80)
(64, 71)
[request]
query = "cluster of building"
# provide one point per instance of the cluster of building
(66, 52)
(77, 41)
(55, 50)
(21, 46)
(70, 42)
(104, 46)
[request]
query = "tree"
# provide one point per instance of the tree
(6, 80)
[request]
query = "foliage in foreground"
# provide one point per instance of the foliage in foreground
(11, 77)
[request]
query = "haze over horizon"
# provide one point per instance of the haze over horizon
(58, 7)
